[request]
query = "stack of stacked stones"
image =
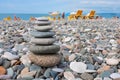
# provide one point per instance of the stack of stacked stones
(43, 50)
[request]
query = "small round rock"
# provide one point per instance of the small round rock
(112, 61)
(2, 70)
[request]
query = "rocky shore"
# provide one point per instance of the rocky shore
(90, 50)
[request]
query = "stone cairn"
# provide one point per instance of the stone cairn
(43, 50)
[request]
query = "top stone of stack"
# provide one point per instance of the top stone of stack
(42, 24)
(42, 21)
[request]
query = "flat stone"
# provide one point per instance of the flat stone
(47, 73)
(105, 74)
(5, 77)
(98, 79)
(115, 75)
(90, 66)
(112, 61)
(67, 39)
(86, 76)
(41, 23)
(87, 30)
(24, 71)
(42, 19)
(69, 76)
(57, 69)
(72, 57)
(78, 67)
(42, 28)
(45, 60)
(28, 74)
(38, 79)
(1, 51)
(6, 64)
(53, 74)
(42, 34)
(50, 49)
(96, 59)
(107, 78)
(90, 71)
(26, 78)
(10, 72)
(25, 60)
(43, 41)
(25, 49)
(10, 56)
(2, 70)
(77, 79)
(34, 67)
(1, 61)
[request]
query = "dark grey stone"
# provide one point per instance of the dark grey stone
(42, 34)
(1, 61)
(51, 49)
(43, 41)
(6, 64)
(53, 74)
(47, 73)
(42, 28)
(34, 67)
(105, 74)
(97, 60)
(41, 23)
(90, 67)
(14, 75)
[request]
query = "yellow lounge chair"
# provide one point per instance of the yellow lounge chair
(7, 19)
(90, 15)
(78, 14)
(71, 17)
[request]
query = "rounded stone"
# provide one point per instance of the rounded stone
(2, 70)
(41, 23)
(51, 49)
(86, 76)
(45, 60)
(42, 34)
(112, 61)
(78, 67)
(42, 19)
(42, 41)
(43, 28)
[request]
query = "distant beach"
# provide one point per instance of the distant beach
(27, 16)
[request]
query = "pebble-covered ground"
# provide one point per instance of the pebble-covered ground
(90, 50)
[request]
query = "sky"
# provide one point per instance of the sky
(45, 6)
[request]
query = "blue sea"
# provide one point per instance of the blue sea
(27, 16)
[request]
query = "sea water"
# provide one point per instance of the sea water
(27, 16)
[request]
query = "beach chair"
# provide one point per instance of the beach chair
(72, 16)
(78, 14)
(7, 19)
(90, 15)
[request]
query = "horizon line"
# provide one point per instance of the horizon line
(48, 13)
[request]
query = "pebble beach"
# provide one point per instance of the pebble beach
(89, 50)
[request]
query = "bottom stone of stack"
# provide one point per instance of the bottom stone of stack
(45, 60)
